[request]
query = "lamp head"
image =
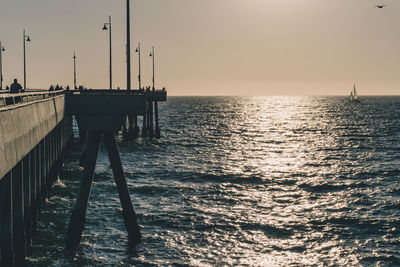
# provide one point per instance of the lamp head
(28, 39)
(2, 49)
(104, 27)
(151, 54)
(137, 49)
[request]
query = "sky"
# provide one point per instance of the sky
(209, 47)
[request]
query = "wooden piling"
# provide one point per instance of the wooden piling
(33, 188)
(129, 135)
(43, 172)
(124, 128)
(151, 117)
(82, 133)
(128, 212)
(18, 214)
(27, 199)
(84, 153)
(144, 128)
(6, 221)
(77, 222)
(157, 130)
(38, 184)
(133, 127)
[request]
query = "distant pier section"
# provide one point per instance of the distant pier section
(35, 130)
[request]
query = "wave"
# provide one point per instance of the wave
(268, 230)
(323, 188)
(197, 177)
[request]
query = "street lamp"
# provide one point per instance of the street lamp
(128, 46)
(140, 71)
(1, 66)
(75, 72)
(153, 56)
(26, 39)
(104, 29)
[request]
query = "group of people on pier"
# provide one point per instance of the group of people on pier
(57, 88)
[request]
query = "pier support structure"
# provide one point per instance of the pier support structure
(23, 191)
(97, 129)
(34, 133)
(101, 114)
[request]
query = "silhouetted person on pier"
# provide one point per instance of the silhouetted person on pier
(57, 87)
(51, 88)
(67, 88)
(15, 87)
(7, 88)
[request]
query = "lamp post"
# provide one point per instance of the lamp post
(105, 28)
(140, 70)
(74, 71)
(26, 39)
(128, 46)
(1, 66)
(153, 56)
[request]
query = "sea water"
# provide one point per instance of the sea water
(244, 181)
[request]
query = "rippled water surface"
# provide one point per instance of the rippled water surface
(259, 181)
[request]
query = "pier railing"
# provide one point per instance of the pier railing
(7, 99)
(159, 93)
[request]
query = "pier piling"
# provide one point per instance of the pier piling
(77, 221)
(134, 133)
(151, 117)
(144, 128)
(78, 217)
(157, 130)
(6, 221)
(18, 214)
(27, 199)
(128, 212)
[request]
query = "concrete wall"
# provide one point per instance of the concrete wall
(23, 126)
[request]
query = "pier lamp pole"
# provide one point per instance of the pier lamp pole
(1, 65)
(75, 71)
(128, 47)
(153, 56)
(105, 28)
(140, 69)
(26, 39)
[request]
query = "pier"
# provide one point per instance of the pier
(35, 130)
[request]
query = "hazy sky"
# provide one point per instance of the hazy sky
(210, 47)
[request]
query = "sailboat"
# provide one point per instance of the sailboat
(353, 95)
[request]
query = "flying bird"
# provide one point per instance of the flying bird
(380, 6)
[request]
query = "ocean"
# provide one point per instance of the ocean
(243, 181)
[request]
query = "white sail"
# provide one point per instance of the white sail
(355, 93)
